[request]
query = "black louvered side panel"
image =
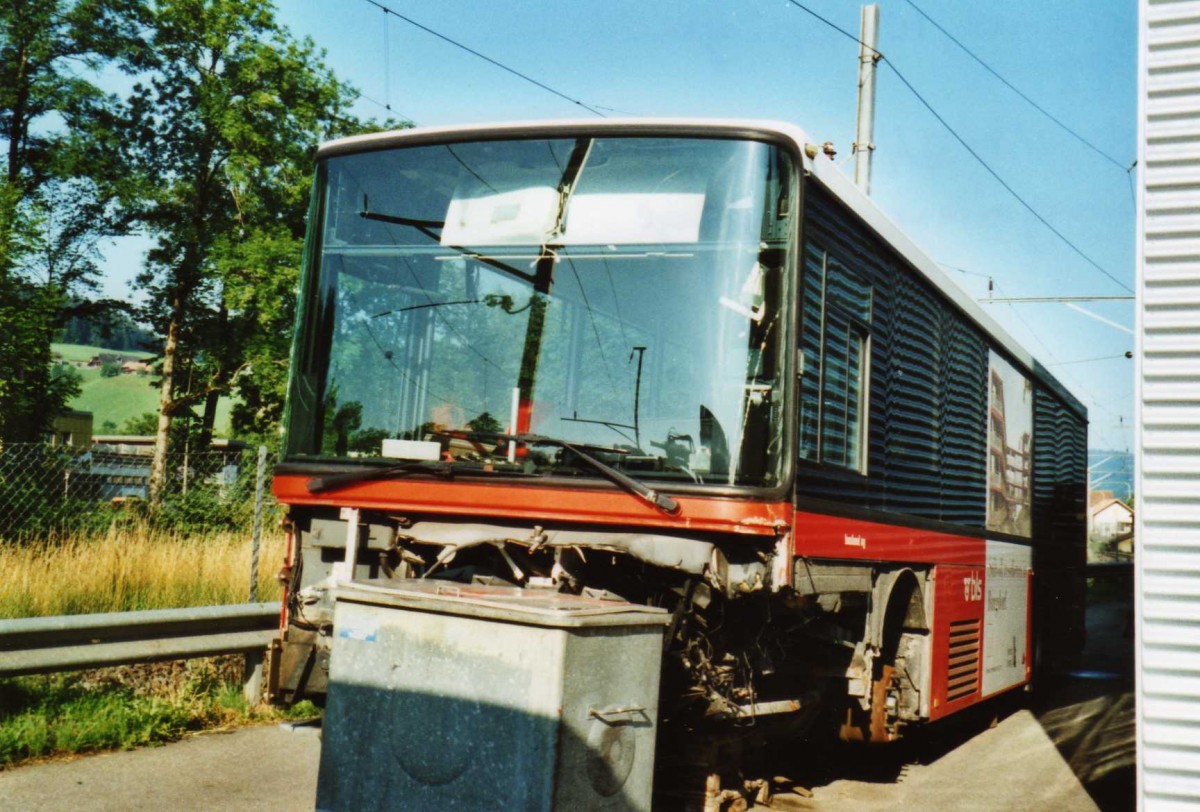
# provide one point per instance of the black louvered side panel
(859, 252)
(1059, 528)
(964, 424)
(913, 423)
(926, 446)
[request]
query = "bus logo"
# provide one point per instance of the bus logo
(973, 587)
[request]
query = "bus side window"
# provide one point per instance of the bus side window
(835, 352)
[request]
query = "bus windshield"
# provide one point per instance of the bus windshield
(623, 294)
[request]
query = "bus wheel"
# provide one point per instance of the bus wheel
(878, 725)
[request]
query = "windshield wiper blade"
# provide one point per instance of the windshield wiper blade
(328, 483)
(660, 500)
(445, 470)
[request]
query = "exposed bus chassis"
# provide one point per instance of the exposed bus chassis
(746, 657)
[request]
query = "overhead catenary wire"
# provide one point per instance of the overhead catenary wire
(1055, 299)
(1123, 167)
(836, 27)
(1037, 215)
(486, 58)
(970, 150)
(1089, 360)
(1095, 401)
(380, 104)
(387, 63)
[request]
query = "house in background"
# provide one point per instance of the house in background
(70, 429)
(1110, 528)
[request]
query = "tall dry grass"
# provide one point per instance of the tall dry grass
(132, 568)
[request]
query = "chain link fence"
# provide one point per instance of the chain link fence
(54, 490)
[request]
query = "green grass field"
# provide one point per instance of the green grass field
(115, 399)
(123, 397)
(85, 352)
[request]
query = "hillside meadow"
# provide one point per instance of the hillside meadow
(121, 398)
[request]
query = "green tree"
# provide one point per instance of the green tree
(225, 128)
(58, 183)
(259, 268)
(143, 425)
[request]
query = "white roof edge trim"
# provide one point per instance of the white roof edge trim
(516, 128)
(824, 171)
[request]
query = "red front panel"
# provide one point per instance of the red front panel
(541, 504)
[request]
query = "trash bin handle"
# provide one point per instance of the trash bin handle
(606, 716)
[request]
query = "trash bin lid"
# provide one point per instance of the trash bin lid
(539, 607)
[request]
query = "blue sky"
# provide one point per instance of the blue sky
(769, 59)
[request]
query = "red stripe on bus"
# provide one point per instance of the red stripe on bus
(820, 536)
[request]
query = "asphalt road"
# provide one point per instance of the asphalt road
(263, 768)
(1073, 749)
(1012, 766)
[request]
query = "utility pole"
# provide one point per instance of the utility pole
(868, 55)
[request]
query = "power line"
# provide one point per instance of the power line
(387, 107)
(836, 27)
(1057, 363)
(1090, 360)
(965, 145)
(1056, 299)
(485, 58)
(964, 270)
(1001, 180)
(1016, 90)
(387, 61)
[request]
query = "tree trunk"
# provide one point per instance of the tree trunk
(209, 420)
(166, 397)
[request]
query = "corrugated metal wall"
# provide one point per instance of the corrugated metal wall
(1168, 482)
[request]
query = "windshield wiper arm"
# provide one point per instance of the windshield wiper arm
(328, 483)
(429, 229)
(660, 500)
(444, 469)
(441, 470)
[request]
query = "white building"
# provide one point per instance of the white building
(1167, 561)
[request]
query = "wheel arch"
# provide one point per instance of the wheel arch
(897, 605)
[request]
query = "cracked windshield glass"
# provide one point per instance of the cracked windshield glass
(625, 295)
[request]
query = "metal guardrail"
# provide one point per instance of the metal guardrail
(40, 645)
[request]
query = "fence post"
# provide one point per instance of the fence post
(256, 537)
(253, 672)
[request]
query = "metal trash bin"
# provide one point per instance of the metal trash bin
(446, 696)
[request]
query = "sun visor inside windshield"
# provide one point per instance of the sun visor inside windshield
(600, 211)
